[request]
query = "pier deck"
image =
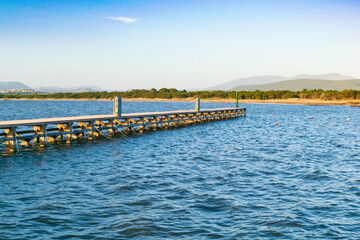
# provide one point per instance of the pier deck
(32, 122)
(16, 134)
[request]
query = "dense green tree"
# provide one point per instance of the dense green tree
(174, 93)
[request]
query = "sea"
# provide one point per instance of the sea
(281, 172)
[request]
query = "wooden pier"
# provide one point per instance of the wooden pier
(17, 134)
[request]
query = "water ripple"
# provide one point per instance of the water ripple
(238, 179)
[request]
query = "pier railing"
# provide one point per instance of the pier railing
(41, 132)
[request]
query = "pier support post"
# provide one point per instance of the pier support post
(237, 99)
(197, 104)
(11, 133)
(142, 125)
(156, 125)
(112, 130)
(69, 135)
(92, 129)
(117, 106)
(127, 126)
(43, 132)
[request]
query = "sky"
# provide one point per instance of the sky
(120, 45)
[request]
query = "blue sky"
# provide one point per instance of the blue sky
(182, 44)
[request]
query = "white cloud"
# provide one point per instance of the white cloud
(124, 19)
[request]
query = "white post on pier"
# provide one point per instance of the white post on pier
(117, 106)
(197, 104)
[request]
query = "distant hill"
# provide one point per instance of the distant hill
(20, 85)
(328, 76)
(72, 89)
(248, 81)
(12, 85)
(257, 80)
(300, 84)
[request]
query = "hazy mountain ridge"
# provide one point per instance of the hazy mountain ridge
(248, 81)
(19, 85)
(257, 80)
(328, 76)
(13, 85)
(71, 89)
(300, 84)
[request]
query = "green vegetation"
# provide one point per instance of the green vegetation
(298, 84)
(173, 93)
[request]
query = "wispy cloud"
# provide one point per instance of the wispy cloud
(124, 19)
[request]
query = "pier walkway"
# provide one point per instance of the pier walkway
(41, 132)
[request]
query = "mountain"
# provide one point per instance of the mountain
(71, 89)
(271, 79)
(19, 85)
(12, 85)
(329, 76)
(247, 81)
(300, 84)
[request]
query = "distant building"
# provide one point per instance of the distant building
(18, 91)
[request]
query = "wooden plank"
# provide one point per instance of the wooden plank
(37, 122)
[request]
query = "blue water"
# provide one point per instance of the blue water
(237, 179)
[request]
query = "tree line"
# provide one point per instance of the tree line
(174, 93)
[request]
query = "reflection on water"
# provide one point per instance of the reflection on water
(241, 178)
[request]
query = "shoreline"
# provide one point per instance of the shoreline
(291, 101)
